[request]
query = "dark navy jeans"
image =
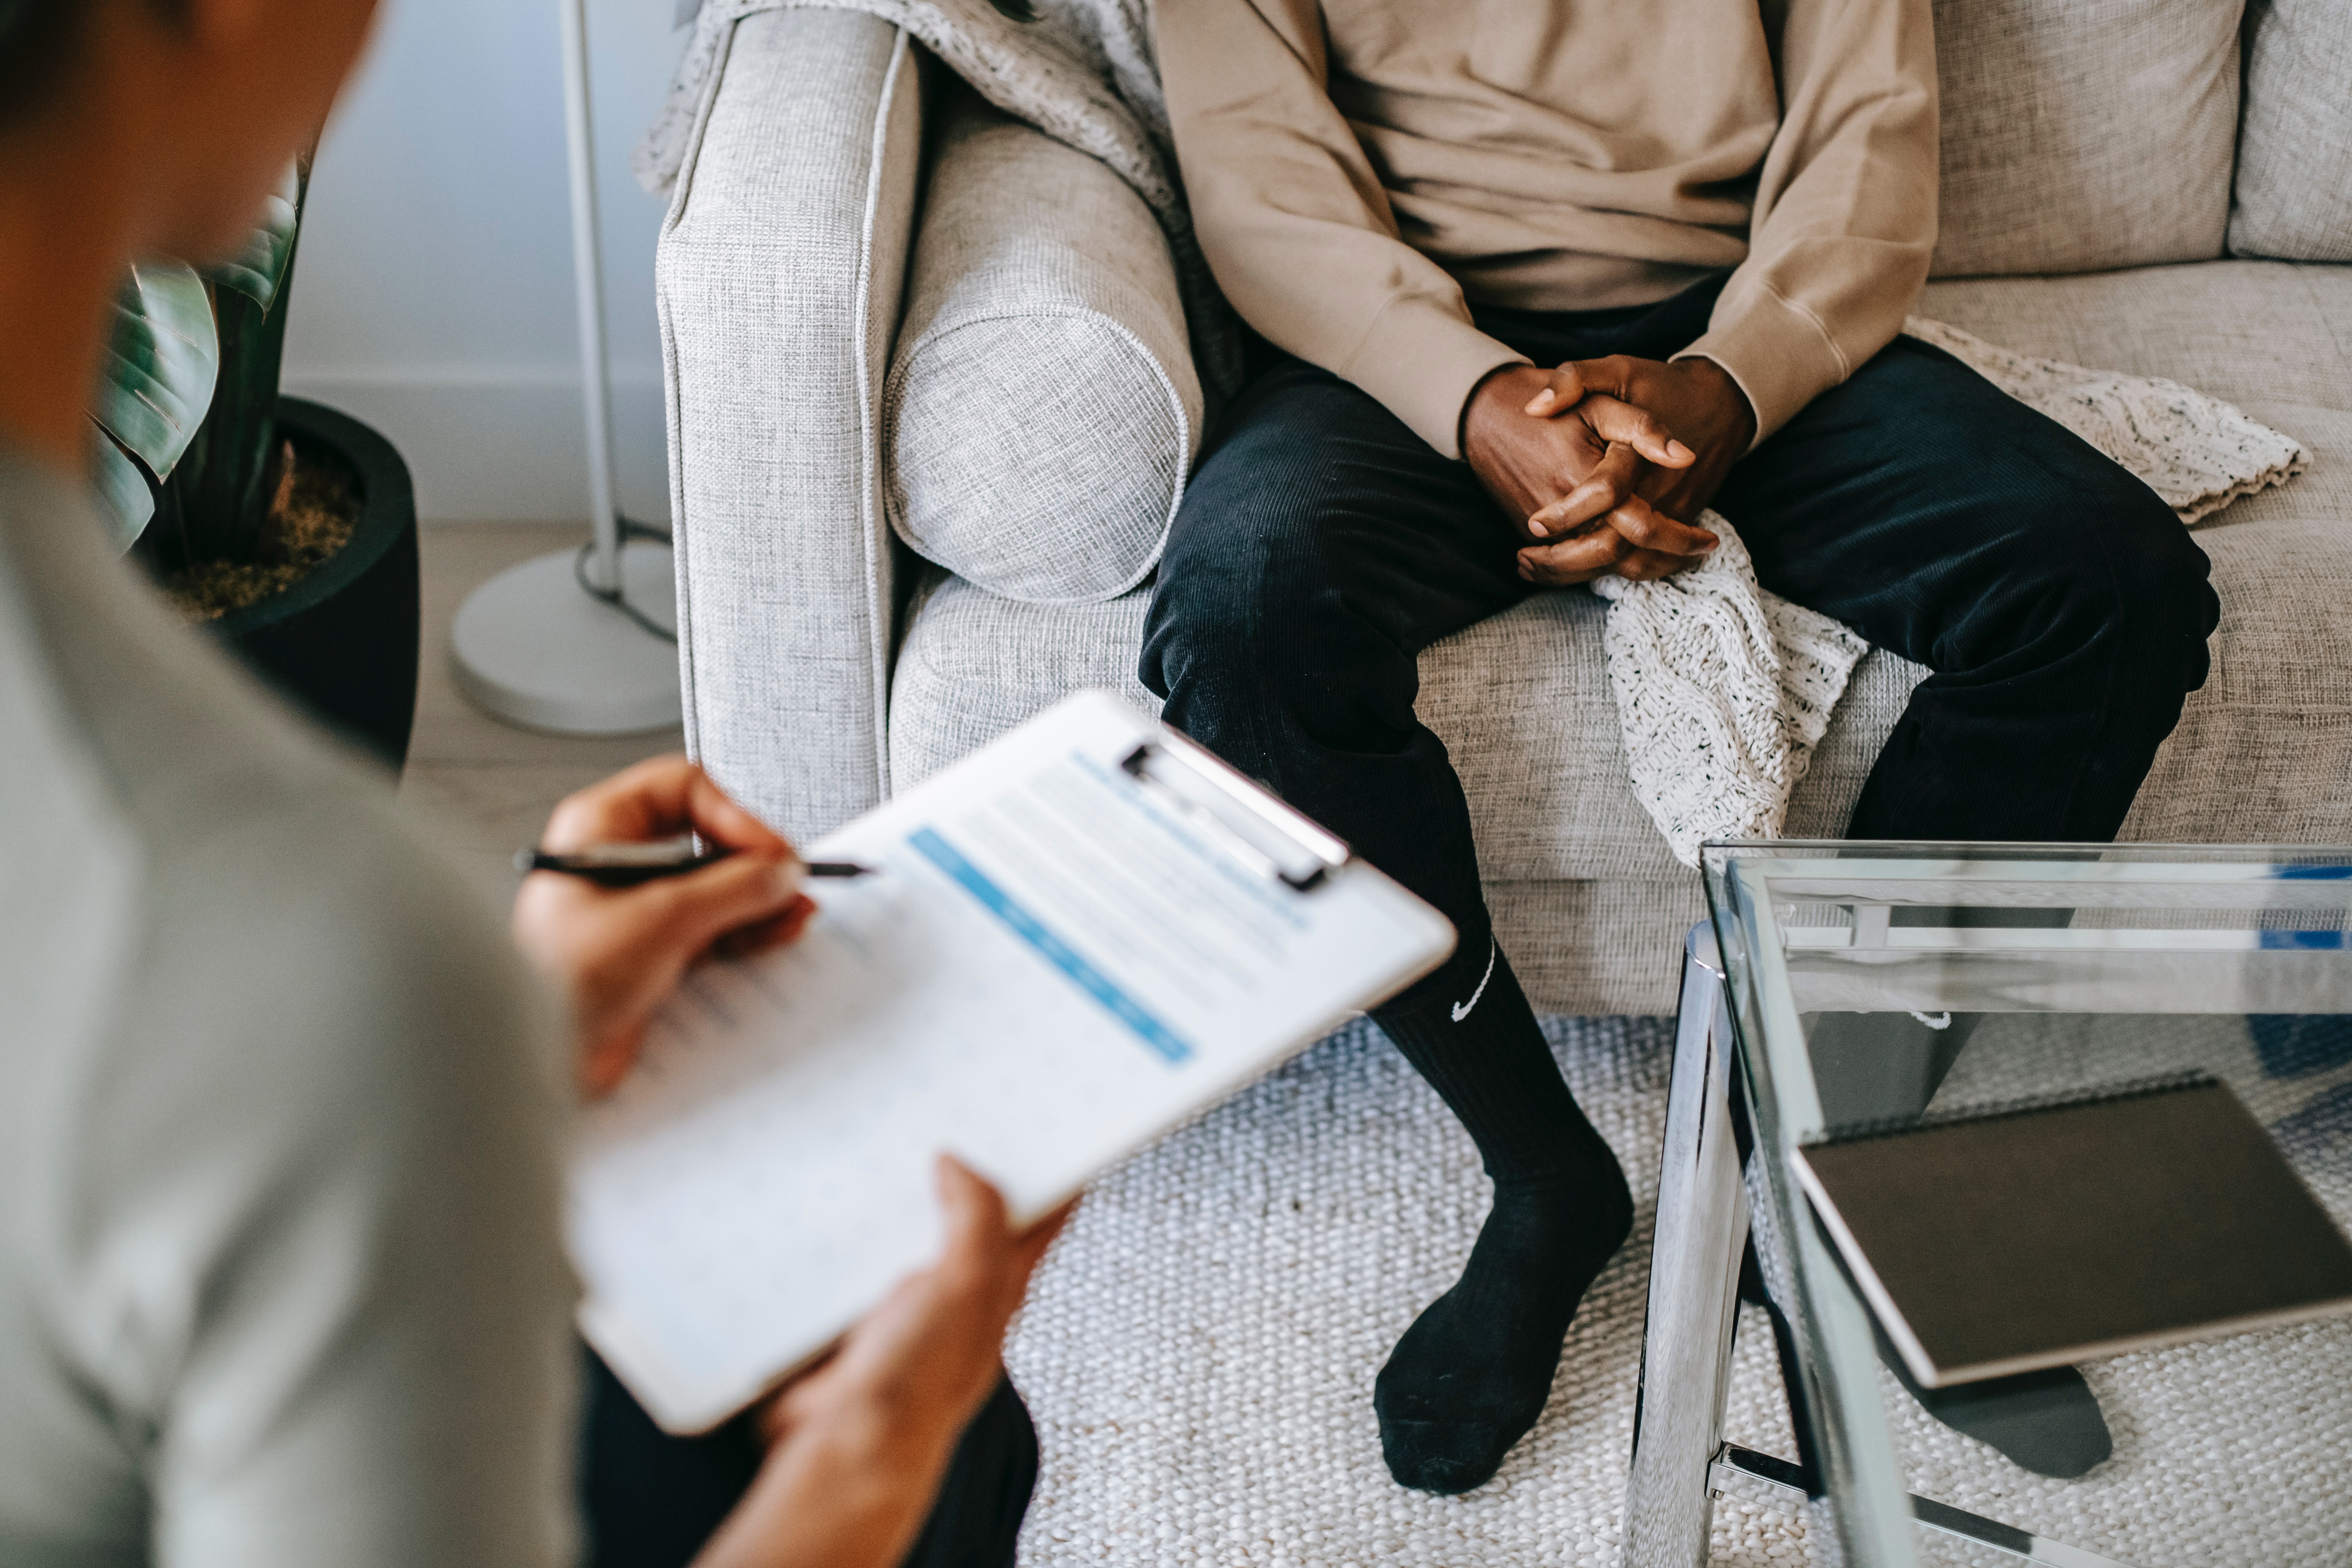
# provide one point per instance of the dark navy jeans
(1322, 546)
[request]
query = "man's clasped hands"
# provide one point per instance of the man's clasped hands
(1604, 462)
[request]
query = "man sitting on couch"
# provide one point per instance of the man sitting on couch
(1712, 218)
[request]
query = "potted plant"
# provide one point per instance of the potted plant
(286, 528)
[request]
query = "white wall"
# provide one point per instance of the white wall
(433, 293)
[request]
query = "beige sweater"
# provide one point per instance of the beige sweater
(1360, 169)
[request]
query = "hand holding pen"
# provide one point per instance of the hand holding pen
(616, 938)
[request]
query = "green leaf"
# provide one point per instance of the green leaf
(159, 368)
(260, 267)
(125, 498)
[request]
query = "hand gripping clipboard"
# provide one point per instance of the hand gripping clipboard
(1082, 934)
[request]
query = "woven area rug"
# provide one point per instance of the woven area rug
(1199, 1348)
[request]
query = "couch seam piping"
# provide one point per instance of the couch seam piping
(869, 434)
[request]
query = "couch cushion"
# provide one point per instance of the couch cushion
(1042, 410)
(2080, 134)
(1522, 701)
(974, 664)
(2293, 196)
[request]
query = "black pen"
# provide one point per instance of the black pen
(628, 864)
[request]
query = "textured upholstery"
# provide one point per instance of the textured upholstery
(778, 280)
(1042, 410)
(1523, 704)
(2293, 196)
(2082, 134)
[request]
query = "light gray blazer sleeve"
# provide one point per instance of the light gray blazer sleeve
(281, 1276)
(778, 278)
(356, 1349)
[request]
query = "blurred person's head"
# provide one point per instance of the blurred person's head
(131, 129)
(179, 114)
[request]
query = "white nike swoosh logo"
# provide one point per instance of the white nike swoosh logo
(1461, 1009)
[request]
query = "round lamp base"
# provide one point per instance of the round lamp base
(531, 648)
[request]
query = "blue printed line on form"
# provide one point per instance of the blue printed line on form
(1058, 953)
(2315, 940)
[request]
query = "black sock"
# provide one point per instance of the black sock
(1470, 1377)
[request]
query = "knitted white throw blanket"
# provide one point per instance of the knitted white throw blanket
(1722, 690)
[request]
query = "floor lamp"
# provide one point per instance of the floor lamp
(579, 642)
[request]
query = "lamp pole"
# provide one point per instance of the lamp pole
(588, 294)
(579, 642)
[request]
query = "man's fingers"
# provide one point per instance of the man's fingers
(1612, 374)
(1615, 419)
(1649, 565)
(1557, 397)
(1609, 486)
(1565, 565)
(1650, 529)
(1573, 560)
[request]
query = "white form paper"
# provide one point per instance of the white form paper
(1054, 966)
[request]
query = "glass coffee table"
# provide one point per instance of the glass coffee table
(1839, 982)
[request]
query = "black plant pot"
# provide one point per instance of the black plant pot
(342, 642)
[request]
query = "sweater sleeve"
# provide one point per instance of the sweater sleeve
(1845, 205)
(281, 1273)
(328, 1275)
(1294, 221)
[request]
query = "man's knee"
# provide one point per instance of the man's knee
(2170, 608)
(1260, 640)
(2115, 578)
(1237, 569)
(2161, 582)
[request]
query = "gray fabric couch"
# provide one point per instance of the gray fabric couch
(859, 360)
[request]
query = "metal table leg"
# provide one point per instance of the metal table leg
(1694, 1282)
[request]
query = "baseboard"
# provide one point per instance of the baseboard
(504, 444)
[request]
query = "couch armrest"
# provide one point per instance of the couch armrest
(778, 279)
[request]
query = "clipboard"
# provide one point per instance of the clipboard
(1081, 935)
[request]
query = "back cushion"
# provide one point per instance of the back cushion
(2085, 134)
(1042, 410)
(2294, 156)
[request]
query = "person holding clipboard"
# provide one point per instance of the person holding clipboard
(281, 1275)
(908, 1445)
